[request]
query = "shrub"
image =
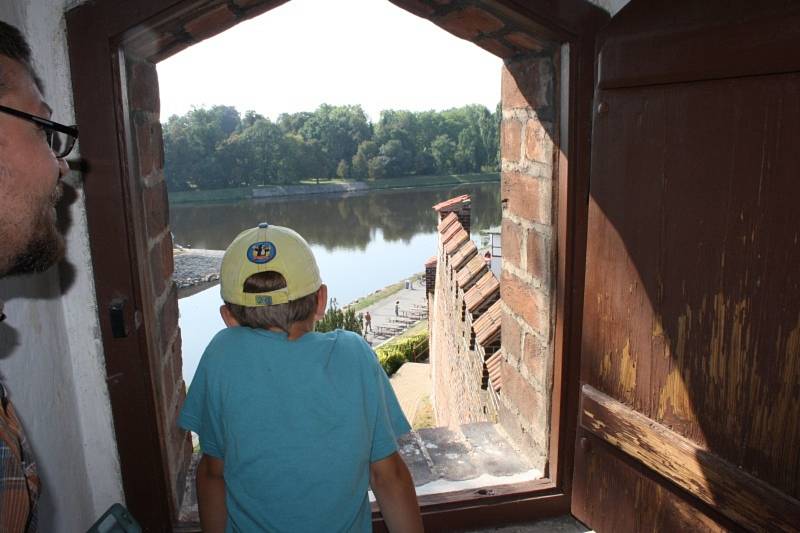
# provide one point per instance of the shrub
(336, 318)
(392, 355)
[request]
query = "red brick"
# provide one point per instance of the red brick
(176, 354)
(149, 143)
(521, 394)
(524, 40)
(535, 356)
(511, 337)
(470, 22)
(417, 7)
(538, 144)
(168, 318)
(511, 242)
(143, 87)
(511, 134)
(527, 197)
(161, 263)
(527, 302)
(212, 22)
(495, 47)
(537, 248)
(527, 84)
(156, 208)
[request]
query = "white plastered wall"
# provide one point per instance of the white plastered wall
(51, 356)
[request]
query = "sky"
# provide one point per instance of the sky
(308, 52)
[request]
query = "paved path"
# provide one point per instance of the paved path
(384, 319)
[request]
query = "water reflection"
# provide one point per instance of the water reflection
(335, 223)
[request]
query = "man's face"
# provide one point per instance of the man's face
(29, 174)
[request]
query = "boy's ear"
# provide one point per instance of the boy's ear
(227, 316)
(322, 301)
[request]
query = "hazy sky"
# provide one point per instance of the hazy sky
(307, 52)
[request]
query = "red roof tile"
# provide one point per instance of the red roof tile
(451, 230)
(454, 243)
(485, 288)
(493, 365)
(463, 255)
(452, 203)
(446, 221)
(474, 267)
(487, 327)
(432, 260)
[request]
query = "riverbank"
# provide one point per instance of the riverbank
(332, 187)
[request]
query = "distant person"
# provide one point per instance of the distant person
(294, 425)
(487, 257)
(397, 308)
(367, 322)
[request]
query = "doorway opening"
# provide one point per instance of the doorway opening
(527, 47)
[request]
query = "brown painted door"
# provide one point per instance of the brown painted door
(690, 369)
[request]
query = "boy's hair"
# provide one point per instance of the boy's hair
(14, 46)
(268, 316)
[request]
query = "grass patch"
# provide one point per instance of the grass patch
(424, 417)
(385, 292)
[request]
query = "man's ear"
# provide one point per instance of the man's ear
(322, 301)
(227, 317)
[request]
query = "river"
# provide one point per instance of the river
(362, 242)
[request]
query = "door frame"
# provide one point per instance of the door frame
(100, 33)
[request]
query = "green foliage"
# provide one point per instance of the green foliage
(392, 355)
(336, 318)
(219, 148)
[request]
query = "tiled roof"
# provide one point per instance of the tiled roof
(472, 269)
(493, 366)
(431, 261)
(452, 203)
(463, 255)
(451, 230)
(485, 288)
(446, 221)
(487, 327)
(454, 243)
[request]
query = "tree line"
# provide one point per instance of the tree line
(218, 147)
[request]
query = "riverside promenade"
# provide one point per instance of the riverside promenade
(385, 323)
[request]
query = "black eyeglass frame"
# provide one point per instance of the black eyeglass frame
(48, 126)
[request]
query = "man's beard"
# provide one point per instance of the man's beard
(46, 247)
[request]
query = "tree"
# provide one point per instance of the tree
(377, 167)
(343, 170)
(359, 170)
(443, 150)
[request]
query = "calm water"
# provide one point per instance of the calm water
(362, 242)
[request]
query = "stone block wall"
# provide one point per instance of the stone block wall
(165, 363)
(527, 283)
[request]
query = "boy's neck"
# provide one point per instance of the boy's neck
(297, 329)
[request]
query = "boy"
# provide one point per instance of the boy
(294, 425)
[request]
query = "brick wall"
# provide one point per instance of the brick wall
(462, 294)
(165, 337)
(527, 282)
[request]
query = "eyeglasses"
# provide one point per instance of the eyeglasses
(61, 138)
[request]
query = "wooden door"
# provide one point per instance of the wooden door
(690, 369)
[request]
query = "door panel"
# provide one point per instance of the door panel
(692, 301)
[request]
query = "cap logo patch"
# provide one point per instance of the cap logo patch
(264, 300)
(261, 252)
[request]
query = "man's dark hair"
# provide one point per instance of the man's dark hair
(14, 46)
(281, 316)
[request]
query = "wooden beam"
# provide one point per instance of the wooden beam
(738, 495)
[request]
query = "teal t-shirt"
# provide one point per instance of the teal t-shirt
(297, 424)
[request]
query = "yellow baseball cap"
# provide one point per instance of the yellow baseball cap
(268, 248)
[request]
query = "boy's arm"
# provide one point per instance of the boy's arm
(211, 494)
(394, 490)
